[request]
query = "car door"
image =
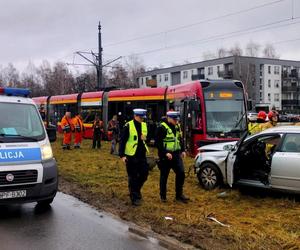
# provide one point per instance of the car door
(230, 160)
(285, 168)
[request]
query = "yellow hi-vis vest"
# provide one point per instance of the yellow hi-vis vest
(132, 142)
(171, 141)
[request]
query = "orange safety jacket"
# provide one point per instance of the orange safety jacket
(67, 125)
(78, 124)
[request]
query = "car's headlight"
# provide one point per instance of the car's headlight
(46, 151)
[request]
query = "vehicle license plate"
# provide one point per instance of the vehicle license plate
(12, 194)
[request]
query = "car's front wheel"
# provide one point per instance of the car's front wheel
(209, 176)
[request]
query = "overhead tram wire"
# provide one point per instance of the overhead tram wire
(223, 36)
(286, 41)
(194, 57)
(196, 23)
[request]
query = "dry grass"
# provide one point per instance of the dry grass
(255, 222)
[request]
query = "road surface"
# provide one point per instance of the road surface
(67, 224)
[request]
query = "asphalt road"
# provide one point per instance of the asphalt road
(67, 224)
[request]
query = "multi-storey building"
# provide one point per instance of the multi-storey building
(269, 82)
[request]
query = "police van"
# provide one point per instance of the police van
(28, 171)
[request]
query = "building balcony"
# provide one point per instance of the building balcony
(291, 75)
(290, 102)
(151, 83)
(290, 89)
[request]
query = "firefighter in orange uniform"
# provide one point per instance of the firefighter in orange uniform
(79, 130)
(67, 127)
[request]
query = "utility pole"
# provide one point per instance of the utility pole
(96, 61)
(99, 68)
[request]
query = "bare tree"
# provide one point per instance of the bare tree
(269, 51)
(236, 50)
(31, 80)
(86, 81)
(221, 52)
(10, 76)
(134, 67)
(57, 81)
(118, 76)
(1, 76)
(252, 49)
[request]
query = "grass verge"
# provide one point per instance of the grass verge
(100, 179)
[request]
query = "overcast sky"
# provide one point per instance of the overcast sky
(36, 30)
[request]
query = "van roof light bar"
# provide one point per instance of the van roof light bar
(14, 92)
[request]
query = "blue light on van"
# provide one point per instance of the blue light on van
(15, 92)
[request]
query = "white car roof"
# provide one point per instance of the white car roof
(16, 99)
(282, 129)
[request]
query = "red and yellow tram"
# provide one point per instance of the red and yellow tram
(211, 110)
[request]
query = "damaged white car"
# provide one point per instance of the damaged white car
(269, 159)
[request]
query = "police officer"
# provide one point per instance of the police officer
(132, 151)
(170, 152)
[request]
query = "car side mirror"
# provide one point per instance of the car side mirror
(51, 131)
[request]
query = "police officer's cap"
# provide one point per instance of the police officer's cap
(173, 114)
(140, 112)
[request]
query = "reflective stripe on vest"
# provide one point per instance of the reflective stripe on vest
(171, 141)
(132, 142)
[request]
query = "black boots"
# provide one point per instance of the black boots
(182, 198)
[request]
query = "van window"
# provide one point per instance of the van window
(22, 123)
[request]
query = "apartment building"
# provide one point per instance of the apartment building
(268, 82)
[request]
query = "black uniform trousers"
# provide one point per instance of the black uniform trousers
(165, 166)
(137, 170)
(97, 140)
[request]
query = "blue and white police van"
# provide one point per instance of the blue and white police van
(28, 171)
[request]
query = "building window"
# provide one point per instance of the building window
(269, 97)
(166, 77)
(218, 69)
(276, 84)
(276, 97)
(276, 70)
(210, 70)
(185, 74)
(269, 69)
(192, 72)
(142, 80)
(159, 78)
(260, 87)
(269, 83)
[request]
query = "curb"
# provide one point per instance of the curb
(164, 241)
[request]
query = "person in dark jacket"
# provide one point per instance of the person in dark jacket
(132, 151)
(171, 151)
(114, 129)
(98, 129)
